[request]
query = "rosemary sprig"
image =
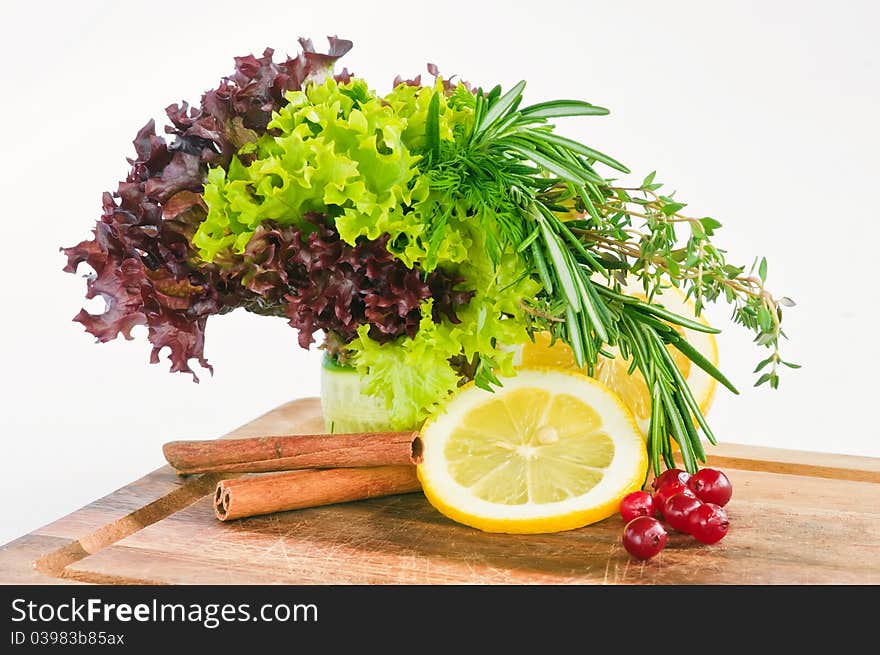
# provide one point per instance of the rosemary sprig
(525, 183)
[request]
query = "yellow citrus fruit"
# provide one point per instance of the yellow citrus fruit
(549, 450)
(614, 372)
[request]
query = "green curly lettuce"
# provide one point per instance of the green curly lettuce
(411, 375)
(336, 149)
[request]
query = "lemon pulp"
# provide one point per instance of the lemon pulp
(549, 450)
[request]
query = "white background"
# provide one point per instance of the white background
(761, 114)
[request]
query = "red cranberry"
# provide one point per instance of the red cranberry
(711, 486)
(644, 537)
(709, 523)
(637, 503)
(665, 492)
(678, 509)
(668, 476)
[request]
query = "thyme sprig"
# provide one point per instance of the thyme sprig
(540, 194)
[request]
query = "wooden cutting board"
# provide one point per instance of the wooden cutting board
(796, 518)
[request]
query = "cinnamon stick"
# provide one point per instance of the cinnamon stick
(286, 453)
(237, 498)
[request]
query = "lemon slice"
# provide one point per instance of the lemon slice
(549, 450)
(614, 372)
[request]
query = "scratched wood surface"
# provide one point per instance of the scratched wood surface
(796, 518)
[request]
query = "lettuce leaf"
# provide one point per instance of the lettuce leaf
(140, 253)
(338, 149)
(414, 374)
(334, 149)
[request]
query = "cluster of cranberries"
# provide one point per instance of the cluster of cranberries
(692, 504)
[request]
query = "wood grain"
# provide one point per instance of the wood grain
(796, 518)
(807, 536)
(134, 506)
